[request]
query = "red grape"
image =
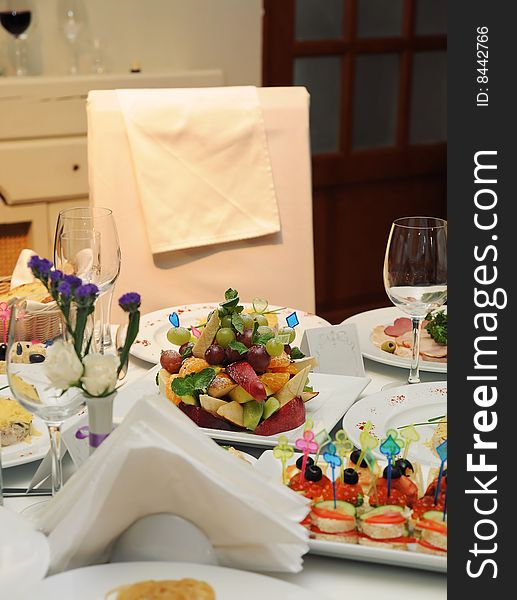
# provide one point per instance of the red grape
(170, 360)
(183, 348)
(214, 354)
(287, 349)
(258, 358)
(234, 355)
(245, 337)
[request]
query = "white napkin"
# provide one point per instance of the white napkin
(202, 165)
(158, 461)
(21, 272)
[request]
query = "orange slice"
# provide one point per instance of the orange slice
(192, 365)
(274, 381)
(277, 362)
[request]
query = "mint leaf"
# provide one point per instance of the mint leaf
(187, 351)
(193, 384)
(231, 294)
(237, 322)
(262, 338)
(296, 353)
(241, 348)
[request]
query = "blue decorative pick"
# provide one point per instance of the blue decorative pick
(333, 461)
(441, 450)
(174, 319)
(389, 448)
(445, 507)
(292, 320)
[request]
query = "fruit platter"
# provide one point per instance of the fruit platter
(237, 371)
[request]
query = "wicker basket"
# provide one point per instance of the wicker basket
(40, 325)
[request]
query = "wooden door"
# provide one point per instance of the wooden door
(376, 72)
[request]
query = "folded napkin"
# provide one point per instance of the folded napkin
(201, 163)
(158, 461)
(21, 272)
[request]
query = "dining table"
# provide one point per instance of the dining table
(325, 577)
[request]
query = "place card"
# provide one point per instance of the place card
(336, 349)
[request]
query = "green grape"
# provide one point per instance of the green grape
(264, 329)
(288, 331)
(225, 337)
(226, 321)
(260, 319)
(274, 347)
(247, 321)
(178, 336)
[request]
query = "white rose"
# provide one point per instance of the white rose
(100, 373)
(62, 366)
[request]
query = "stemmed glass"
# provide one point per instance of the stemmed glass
(86, 244)
(71, 18)
(415, 273)
(15, 17)
(32, 387)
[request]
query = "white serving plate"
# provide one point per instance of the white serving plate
(395, 407)
(337, 394)
(152, 336)
(93, 583)
(269, 466)
(25, 452)
(367, 321)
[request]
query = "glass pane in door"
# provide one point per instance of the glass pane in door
(428, 119)
(431, 17)
(321, 75)
(379, 18)
(375, 100)
(319, 19)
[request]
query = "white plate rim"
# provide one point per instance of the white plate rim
(381, 316)
(153, 569)
(365, 404)
(143, 347)
(23, 452)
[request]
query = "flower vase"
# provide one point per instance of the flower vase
(100, 419)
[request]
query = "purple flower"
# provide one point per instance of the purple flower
(73, 281)
(56, 277)
(40, 267)
(130, 302)
(65, 290)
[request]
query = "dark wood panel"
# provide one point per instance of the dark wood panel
(350, 249)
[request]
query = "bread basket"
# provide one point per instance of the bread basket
(42, 321)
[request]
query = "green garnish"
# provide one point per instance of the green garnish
(437, 327)
(193, 384)
(297, 353)
(241, 348)
(237, 322)
(262, 338)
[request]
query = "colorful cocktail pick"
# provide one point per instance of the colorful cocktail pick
(307, 444)
(367, 441)
(343, 448)
(441, 450)
(174, 319)
(390, 449)
(292, 320)
(333, 461)
(322, 438)
(5, 313)
(283, 451)
(397, 437)
(410, 435)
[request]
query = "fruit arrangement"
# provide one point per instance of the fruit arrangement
(237, 371)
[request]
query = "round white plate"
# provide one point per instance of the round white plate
(24, 554)
(93, 583)
(26, 452)
(367, 321)
(396, 407)
(152, 337)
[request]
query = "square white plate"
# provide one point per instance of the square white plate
(336, 395)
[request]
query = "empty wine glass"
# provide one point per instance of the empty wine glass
(86, 244)
(415, 273)
(71, 19)
(15, 17)
(29, 380)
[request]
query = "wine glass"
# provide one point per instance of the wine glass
(71, 18)
(415, 273)
(31, 384)
(92, 230)
(15, 17)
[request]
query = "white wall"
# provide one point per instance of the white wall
(160, 34)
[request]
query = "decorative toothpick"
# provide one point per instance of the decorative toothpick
(367, 441)
(441, 450)
(333, 461)
(322, 438)
(306, 443)
(292, 320)
(343, 448)
(283, 451)
(390, 449)
(410, 435)
(174, 319)
(5, 314)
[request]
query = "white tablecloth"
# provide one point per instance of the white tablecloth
(332, 578)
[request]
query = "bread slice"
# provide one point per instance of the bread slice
(34, 291)
(15, 422)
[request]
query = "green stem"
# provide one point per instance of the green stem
(132, 332)
(80, 326)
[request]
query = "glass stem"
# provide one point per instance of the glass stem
(414, 375)
(19, 66)
(54, 430)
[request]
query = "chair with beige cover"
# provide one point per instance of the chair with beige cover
(278, 266)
